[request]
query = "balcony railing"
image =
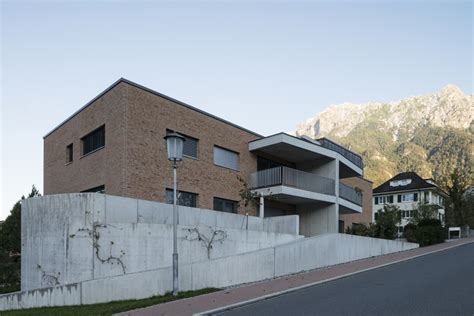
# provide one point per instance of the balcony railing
(293, 178)
(352, 157)
(350, 194)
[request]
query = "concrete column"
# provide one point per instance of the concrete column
(317, 219)
(336, 213)
(262, 207)
(429, 199)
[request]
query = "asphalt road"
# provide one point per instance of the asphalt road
(438, 284)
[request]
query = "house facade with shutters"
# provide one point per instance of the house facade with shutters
(115, 145)
(407, 191)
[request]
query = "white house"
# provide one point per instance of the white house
(407, 190)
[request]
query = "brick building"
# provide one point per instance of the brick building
(115, 144)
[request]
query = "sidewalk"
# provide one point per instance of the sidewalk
(256, 291)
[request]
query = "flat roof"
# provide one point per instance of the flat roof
(155, 93)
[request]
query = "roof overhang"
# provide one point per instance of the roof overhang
(297, 150)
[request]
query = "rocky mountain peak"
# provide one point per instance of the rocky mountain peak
(430, 134)
(447, 107)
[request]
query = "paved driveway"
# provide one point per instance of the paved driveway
(437, 284)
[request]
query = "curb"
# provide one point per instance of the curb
(267, 296)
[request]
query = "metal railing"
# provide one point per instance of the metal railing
(293, 178)
(350, 194)
(352, 157)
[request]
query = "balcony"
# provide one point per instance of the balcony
(350, 194)
(349, 155)
(292, 178)
(301, 150)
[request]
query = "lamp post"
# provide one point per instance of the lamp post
(174, 146)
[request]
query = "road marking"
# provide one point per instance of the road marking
(264, 297)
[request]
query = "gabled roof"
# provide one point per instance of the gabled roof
(136, 85)
(416, 183)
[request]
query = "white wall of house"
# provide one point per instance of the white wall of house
(407, 204)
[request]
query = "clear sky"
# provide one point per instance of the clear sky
(266, 66)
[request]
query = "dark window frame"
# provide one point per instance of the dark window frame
(234, 203)
(188, 138)
(87, 141)
(97, 189)
(229, 150)
(69, 153)
(195, 197)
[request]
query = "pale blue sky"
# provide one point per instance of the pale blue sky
(266, 66)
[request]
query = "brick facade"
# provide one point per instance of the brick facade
(366, 216)
(133, 162)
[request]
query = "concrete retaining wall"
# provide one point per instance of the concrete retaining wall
(70, 238)
(300, 255)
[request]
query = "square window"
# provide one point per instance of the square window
(190, 145)
(93, 140)
(226, 158)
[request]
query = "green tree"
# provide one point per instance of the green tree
(10, 247)
(424, 211)
(387, 222)
(456, 185)
(10, 231)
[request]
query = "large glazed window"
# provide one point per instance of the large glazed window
(224, 205)
(184, 198)
(93, 140)
(226, 158)
(190, 145)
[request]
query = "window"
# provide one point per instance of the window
(226, 158)
(69, 152)
(184, 198)
(99, 189)
(224, 205)
(190, 146)
(263, 163)
(398, 183)
(384, 199)
(93, 140)
(410, 197)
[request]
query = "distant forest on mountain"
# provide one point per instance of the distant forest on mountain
(431, 135)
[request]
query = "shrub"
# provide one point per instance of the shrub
(361, 229)
(429, 232)
(409, 232)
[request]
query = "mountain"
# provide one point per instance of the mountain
(430, 134)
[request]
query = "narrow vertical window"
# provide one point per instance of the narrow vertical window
(69, 153)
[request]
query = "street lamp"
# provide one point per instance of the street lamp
(174, 146)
